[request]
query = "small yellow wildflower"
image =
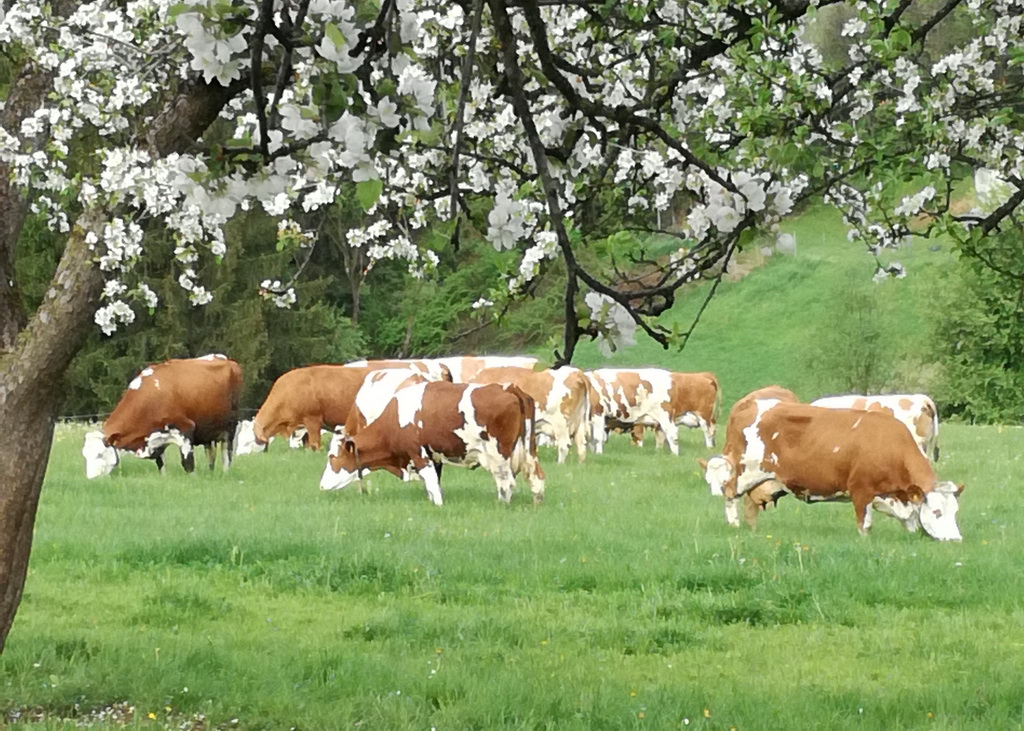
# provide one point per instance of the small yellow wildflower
(707, 713)
(152, 716)
(632, 694)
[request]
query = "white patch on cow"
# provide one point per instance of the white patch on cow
(835, 449)
(245, 438)
(100, 459)
(146, 372)
(335, 448)
(160, 439)
(717, 473)
(775, 435)
(213, 356)
(136, 383)
(938, 512)
(381, 386)
(754, 454)
(410, 401)
(432, 484)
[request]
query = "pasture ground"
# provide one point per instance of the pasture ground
(251, 600)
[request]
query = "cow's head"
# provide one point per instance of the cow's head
(245, 438)
(100, 459)
(939, 509)
(718, 470)
(342, 467)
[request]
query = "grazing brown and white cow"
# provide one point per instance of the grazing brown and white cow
(429, 424)
(563, 403)
(915, 410)
(464, 367)
(624, 398)
(432, 368)
(188, 402)
(865, 457)
(719, 471)
(304, 398)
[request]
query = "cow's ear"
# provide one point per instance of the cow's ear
(703, 463)
(112, 440)
(349, 445)
(915, 494)
(960, 489)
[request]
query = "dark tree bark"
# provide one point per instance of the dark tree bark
(39, 354)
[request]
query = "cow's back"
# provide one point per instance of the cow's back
(820, 449)
(203, 390)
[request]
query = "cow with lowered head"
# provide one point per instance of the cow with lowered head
(822, 455)
(427, 425)
(187, 402)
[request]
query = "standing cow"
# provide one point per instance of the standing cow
(625, 398)
(866, 457)
(429, 424)
(562, 399)
(188, 402)
(308, 398)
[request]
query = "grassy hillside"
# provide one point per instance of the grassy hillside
(766, 328)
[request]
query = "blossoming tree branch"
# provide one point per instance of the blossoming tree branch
(541, 126)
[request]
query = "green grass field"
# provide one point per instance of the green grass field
(252, 600)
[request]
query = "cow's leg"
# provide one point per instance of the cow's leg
(862, 509)
(659, 438)
(535, 476)
(671, 435)
(580, 439)
(313, 425)
(750, 510)
(504, 478)
(158, 457)
(229, 448)
(211, 454)
(638, 435)
(597, 433)
(188, 459)
(709, 433)
(432, 482)
(732, 516)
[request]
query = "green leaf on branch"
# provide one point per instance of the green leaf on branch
(368, 193)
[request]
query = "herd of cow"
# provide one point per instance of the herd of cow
(410, 417)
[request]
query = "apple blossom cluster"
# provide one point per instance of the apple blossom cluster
(616, 327)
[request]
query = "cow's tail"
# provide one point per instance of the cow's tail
(716, 410)
(935, 430)
(582, 415)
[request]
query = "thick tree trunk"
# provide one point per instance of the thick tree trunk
(30, 394)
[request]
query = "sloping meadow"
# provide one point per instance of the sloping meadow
(252, 600)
